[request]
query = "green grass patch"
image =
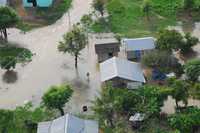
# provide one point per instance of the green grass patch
(21, 54)
(127, 18)
(27, 26)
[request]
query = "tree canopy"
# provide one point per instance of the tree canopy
(180, 90)
(8, 18)
(162, 60)
(186, 121)
(73, 42)
(192, 69)
(115, 101)
(23, 119)
(173, 40)
(57, 96)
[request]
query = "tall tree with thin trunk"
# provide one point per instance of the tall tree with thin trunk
(8, 19)
(73, 42)
(57, 96)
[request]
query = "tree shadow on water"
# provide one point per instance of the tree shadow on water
(10, 77)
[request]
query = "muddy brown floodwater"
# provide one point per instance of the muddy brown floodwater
(49, 67)
(170, 103)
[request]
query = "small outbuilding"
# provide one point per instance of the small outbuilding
(137, 119)
(136, 48)
(106, 48)
(122, 73)
(68, 124)
(37, 3)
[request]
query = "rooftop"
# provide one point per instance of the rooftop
(116, 67)
(68, 124)
(139, 43)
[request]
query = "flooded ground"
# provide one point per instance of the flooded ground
(49, 67)
(195, 30)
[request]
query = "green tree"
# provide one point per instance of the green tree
(169, 40)
(192, 69)
(189, 43)
(173, 40)
(146, 8)
(104, 106)
(180, 91)
(113, 102)
(186, 121)
(152, 99)
(73, 42)
(195, 91)
(87, 21)
(8, 62)
(99, 6)
(57, 96)
(189, 4)
(6, 120)
(8, 19)
(163, 61)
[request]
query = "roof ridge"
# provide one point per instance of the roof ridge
(49, 129)
(66, 123)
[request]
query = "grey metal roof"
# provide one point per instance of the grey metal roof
(116, 67)
(139, 43)
(68, 124)
(3, 2)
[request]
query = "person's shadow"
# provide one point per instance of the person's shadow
(10, 77)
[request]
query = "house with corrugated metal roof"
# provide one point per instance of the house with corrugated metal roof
(3, 2)
(137, 47)
(106, 48)
(122, 73)
(68, 124)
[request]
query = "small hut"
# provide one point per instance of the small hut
(106, 48)
(137, 119)
(122, 73)
(136, 48)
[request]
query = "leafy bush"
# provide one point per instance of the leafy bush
(10, 56)
(23, 119)
(186, 121)
(162, 60)
(192, 69)
(173, 40)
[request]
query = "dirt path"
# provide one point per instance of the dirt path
(49, 67)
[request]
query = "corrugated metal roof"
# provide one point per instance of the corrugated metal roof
(116, 67)
(139, 44)
(3, 2)
(68, 124)
(44, 127)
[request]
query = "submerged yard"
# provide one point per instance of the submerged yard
(49, 67)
